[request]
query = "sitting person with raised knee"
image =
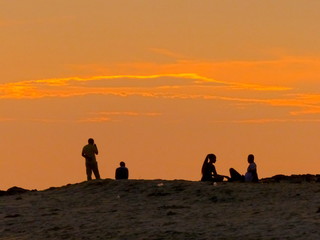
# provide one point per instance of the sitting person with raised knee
(251, 174)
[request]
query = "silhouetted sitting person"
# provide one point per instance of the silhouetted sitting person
(208, 170)
(251, 174)
(122, 172)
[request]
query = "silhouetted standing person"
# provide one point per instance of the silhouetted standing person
(208, 170)
(89, 152)
(122, 172)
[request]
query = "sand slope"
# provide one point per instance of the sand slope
(158, 209)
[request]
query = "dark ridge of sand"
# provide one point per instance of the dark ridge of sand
(295, 178)
(14, 190)
(164, 210)
(275, 179)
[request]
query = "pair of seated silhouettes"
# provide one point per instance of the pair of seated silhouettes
(209, 172)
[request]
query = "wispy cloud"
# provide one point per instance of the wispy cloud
(275, 120)
(305, 104)
(281, 71)
(116, 116)
(178, 86)
(119, 85)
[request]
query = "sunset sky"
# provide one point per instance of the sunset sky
(159, 85)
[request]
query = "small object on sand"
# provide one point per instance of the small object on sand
(214, 184)
(160, 184)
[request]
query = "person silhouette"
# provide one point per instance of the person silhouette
(89, 152)
(209, 172)
(251, 174)
(122, 172)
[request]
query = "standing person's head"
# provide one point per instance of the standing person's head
(250, 158)
(90, 141)
(122, 164)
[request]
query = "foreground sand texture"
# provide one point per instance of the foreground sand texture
(157, 209)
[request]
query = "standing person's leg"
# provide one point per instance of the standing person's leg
(95, 170)
(88, 171)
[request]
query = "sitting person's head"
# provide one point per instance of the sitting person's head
(122, 164)
(250, 158)
(211, 157)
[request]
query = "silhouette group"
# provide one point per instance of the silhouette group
(209, 172)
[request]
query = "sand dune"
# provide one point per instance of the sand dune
(159, 209)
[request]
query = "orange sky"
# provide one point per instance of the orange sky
(157, 84)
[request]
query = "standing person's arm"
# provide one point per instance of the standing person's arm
(83, 153)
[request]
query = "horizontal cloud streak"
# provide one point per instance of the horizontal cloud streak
(178, 86)
(109, 84)
(271, 120)
(116, 116)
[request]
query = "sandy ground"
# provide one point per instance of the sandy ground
(158, 209)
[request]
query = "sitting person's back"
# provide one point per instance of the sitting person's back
(251, 174)
(122, 172)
